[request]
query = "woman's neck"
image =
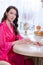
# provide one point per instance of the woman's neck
(9, 25)
(8, 22)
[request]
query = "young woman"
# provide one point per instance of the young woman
(8, 35)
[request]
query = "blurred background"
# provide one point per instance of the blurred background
(30, 11)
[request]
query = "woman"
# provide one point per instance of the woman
(8, 35)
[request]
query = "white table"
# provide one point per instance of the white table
(30, 50)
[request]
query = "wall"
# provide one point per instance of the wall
(32, 8)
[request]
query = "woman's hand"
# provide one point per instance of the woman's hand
(26, 41)
(22, 41)
(38, 44)
(15, 42)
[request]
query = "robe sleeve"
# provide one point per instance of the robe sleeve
(19, 37)
(4, 46)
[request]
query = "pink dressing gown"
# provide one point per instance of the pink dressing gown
(6, 52)
(6, 39)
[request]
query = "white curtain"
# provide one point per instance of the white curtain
(32, 8)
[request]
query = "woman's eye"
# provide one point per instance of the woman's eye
(14, 14)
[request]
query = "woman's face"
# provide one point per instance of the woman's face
(11, 15)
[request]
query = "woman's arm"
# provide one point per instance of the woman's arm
(4, 46)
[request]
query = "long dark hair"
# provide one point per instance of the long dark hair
(16, 19)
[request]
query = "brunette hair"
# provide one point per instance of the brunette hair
(16, 19)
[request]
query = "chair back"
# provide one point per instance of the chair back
(4, 63)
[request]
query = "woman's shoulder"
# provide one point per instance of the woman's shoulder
(2, 25)
(2, 28)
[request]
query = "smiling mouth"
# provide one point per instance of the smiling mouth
(11, 18)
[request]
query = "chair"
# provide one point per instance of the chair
(4, 63)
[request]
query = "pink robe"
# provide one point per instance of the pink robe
(6, 52)
(6, 39)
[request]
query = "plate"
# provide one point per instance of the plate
(39, 33)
